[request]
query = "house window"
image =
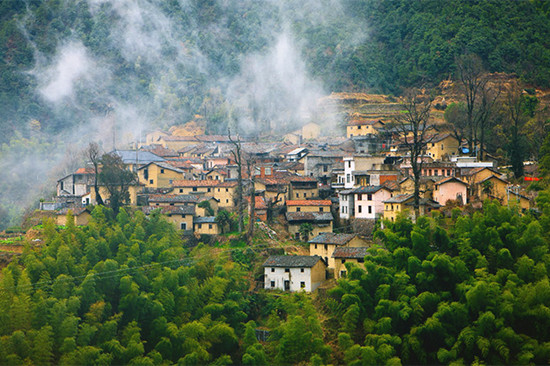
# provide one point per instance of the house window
(170, 181)
(183, 226)
(302, 284)
(359, 209)
(321, 209)
(315, 246)
(298, 209)
(305, 194)
(325, 168)
(326, 247)
(297, 195)
(272, 283)
(194, 189)
(349, 164)
(162, 171)
(181, 190)
(302, 270)
(429, 172)
(369, 197)
(227, 189)
(436, 172)
(347, 178)
(448, 172)
(218, 189)
(209, 189)
(360, 260)
(359, 197)
(200, 226)
(272, 269)
(343, 261)
(343, 209)
(210, 226)
(227, 201)
(287, 270)
(342, 273)
(370, 209)
(150, 181)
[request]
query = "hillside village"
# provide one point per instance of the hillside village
(328, 191)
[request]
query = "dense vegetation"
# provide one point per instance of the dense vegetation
(379, 45)
(470, 289)
(127, 290)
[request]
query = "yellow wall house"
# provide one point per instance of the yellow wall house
(180, 216)
(222, 191)
(441, 146)
(396, 205)
(159, 175)
(206, 225)
(515, 199)
(303, 188)
(314, 212)
(273, 189)
(80, 215)
(133, 191)
(492, 187)
(325, 244)
(294, 272)
(363, 128)
(343, 255)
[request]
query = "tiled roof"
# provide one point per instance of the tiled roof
(205, 220)
(332, 238)
(369, 189)
(160, 150)
(400, 198)
(450, 179)
(292, 261)
(181, 210)
(350, 252)
(203, 183)
(259, 202)
(299, 178)
(182, 198)
(308, 203)
(358, 122)
(85, 171)
(137, 157)
(309, 216)
(164, 165)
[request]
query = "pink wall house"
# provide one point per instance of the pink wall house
(450, 188)
(369, 201)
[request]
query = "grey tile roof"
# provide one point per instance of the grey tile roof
(205, 220)
(309, 216)
(400, 198)
(369, 189)
(137, 157)
(292, 261)
(174, 210)
(177, 198)
(350, 252)
(332, 238)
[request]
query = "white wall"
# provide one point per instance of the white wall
(295, 276)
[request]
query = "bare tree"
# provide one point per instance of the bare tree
(93, 154)
(473, 79)
(237, 156)
(414, 130)
(250, 166)
(515, 108)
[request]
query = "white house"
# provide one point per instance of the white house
(294, 272)
(346, 206)
(369, 201)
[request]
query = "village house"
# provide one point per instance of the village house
(368, 201)
(319, 164)
(222, 191)
(357, 127)
(324, 245)
(450, 189)
(346, 204)
(443, 146)
(297, 154)
(492, 187)
(273, 189)
(206, 225)
(199, 202)
(180, 216)
(405, 202)
(159, 175)
(359, 164)
(321, 222)
(260, 208)
(294, 273)
(77, 183)
(303, 187)
(135, 159)
(342, 255)
(80, 215)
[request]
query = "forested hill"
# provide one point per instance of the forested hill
(184, 53)
(470, 288)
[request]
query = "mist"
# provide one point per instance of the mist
(132, 66)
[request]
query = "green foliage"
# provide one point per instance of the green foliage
(458, 294)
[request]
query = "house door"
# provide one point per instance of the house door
(287, 285)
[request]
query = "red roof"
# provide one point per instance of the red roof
(85, 171)
(308, 203)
